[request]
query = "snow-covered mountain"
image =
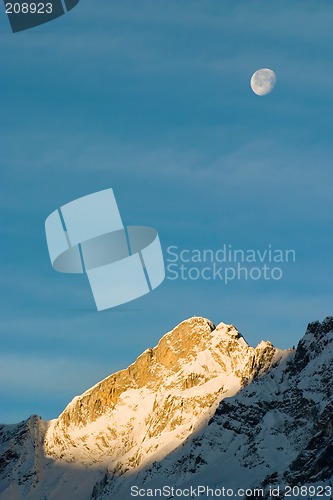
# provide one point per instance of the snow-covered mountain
(201, 408)
(145, 411)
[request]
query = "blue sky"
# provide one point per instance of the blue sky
(152, 98)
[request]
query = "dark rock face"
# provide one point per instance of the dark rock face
(316, 338)
(318, 329)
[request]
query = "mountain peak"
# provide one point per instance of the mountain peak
(192, 334)
(193, 322)
(318, 328)
(165, 393)
(312, 348)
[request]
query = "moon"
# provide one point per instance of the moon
(263, 81)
